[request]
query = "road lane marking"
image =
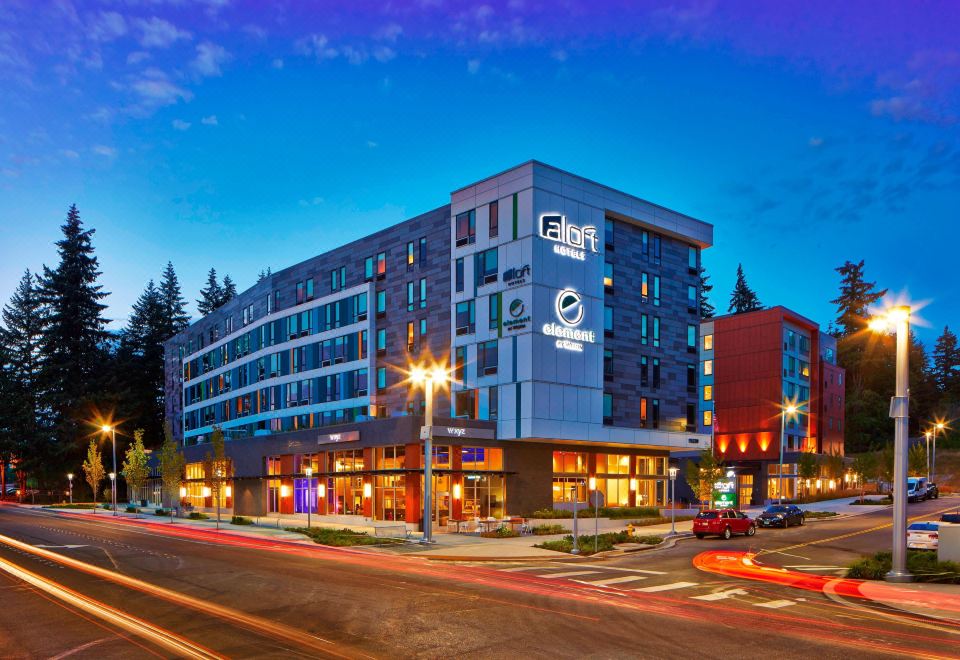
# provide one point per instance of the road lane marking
(721, 595)
(626, 570)
(608, 581)
(566, 574)
(775, 604)
(524, 568)
(168, 640)
(667, 587)
(55, 547)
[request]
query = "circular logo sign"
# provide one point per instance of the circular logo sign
(516, 308)
(570, 307)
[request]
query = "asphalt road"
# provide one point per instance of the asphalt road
(198, 596)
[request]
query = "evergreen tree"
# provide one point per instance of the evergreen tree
(140, 362)
(73, 348)
(8, 438)
(211, 296)
(264, 274)
(229, 291)
(20, 339)
(856, 295)
(174, 305)
(743, 299)
(946, 365)
(706, 309)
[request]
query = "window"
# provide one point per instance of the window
(381, 378)
(409, 296)
(655, 413)
(607, 408)
(608, 231)
(692, 259)
(804, 369)
(691, 378)
(494, 302)
(691, 416)
(381, 303)
(381, 341)
(368, 268)
(644, 337)
(607, 362)
(460, 364)
(466, 228)
(423, 328)
(411, 339)
(301, 292)
(459, 275)
(644, 287)
(656, 249)
(487, 358)
(381, 265)
(656, 373)
(466, 317)
(644, 371)
(656, 290)
(708, 418)
(569, 462)
(708, 342)
(607, 274)
(493, 404)
(485, 267)
(423, 292)
(708, 392)
(656, 331)
(494, 219)
(691, 297)
(643, 412)
(465, 404)
(790, 340)
(607, 318)
(645, 245)
(423, 249)
(410, 254)
(691, 339)
(708, 367)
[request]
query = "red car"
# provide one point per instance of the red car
(725, 523)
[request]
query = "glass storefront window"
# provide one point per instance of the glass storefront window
(651, 492)
(347, 496)
(614, 492)
(273, 485)
(613, 464)
(481, 458)
(563, 489)
(391, 496)
(570, 462)
(350, 460)
(391, 458)
(195, 488)
(441, 456)
(304, 496)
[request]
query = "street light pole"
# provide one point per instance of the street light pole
(428, 462)
(939, 426)
(309, 473)
(113, 488)
(596, 512)
(576, 533)
(673, 500)
(787, 409)
(926, 435)
(70, 479)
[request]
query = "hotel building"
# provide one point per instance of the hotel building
(565, 310)
(754, 364)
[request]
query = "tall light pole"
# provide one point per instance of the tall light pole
(897, 319)
(596, 512)
(420, 376)
(576, 532)
(309, 473)
(113, 489)
(927, 434)
(786, 409)
(673, 500)
(112, 430)
(939, 426)
(70, 479)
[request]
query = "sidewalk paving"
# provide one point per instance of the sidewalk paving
(940, 601)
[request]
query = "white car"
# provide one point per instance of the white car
(923, 535)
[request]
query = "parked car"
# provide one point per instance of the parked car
(781, 515)
(923, 535)
(916, 489)
(950, 518)
(724, 523)
(933, 493)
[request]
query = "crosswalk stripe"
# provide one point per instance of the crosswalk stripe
(776, 604)
(667, 587)
(625, 570)
(721, 595)
(524, 568)
(567, 574)
(617, 580)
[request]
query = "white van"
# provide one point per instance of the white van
(916, 489)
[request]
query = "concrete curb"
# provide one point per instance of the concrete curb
(666, 544)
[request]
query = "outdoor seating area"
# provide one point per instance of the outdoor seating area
(478, 525)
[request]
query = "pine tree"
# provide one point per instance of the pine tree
(856, 295)
(264, 274)
(210, 296)
(946, 369)
(174, 305)
(706, 309)
(140, 362)
(74, 345)
(229, 291)
(743, 299)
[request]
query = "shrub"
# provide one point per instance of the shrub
(551, 513)
(106, 506)
(546, 530)
(161, 512)
(69, 506)
(872, 502)
(649, 540)
(340, 537)
(604, 542)
(615, 513)
(196, 515)
(819, 514)
(922, 563)
(132, 509)
(500, 533)
(240, 520)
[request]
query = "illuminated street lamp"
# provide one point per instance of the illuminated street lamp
(927, 434)
(420, 376)
(673, 500)
(596, 511)
(112, 430)
(786, 409)
(309, 472)
(939, 426)
(113, 489)
(897, 319)
(576, 533)
(70, 479)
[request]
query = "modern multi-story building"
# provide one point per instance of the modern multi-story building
(753, 366)
(567, 315)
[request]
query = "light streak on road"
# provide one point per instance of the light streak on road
(181, 646)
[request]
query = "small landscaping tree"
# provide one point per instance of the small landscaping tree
(917, 460)
(171, 468)
(864, 467)
(884, 466)
(807, 468)
(134, 468)
(93, 469)
(701, 476)
(215, 467)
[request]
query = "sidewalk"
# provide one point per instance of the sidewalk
(940, 601)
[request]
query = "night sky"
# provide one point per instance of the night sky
(217, 133)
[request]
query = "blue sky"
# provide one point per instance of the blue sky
(217, 133)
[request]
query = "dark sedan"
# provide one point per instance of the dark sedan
(781, 516)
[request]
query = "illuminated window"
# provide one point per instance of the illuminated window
(494, 219)
(466, 228)
(644, 286)
(708, 418)
(607, 273)
(381, 264)
(410, 255)
(410, 336)
(708, 367)
(708, 392)
(708, 342)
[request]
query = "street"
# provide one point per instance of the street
(245, 597)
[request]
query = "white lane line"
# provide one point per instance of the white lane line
(567, 574)
(776, 604)
(608, 581)
(808, 567)
(524, 568)
(65, 547)
(667, 587)
(625, 570)
(721, 595)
